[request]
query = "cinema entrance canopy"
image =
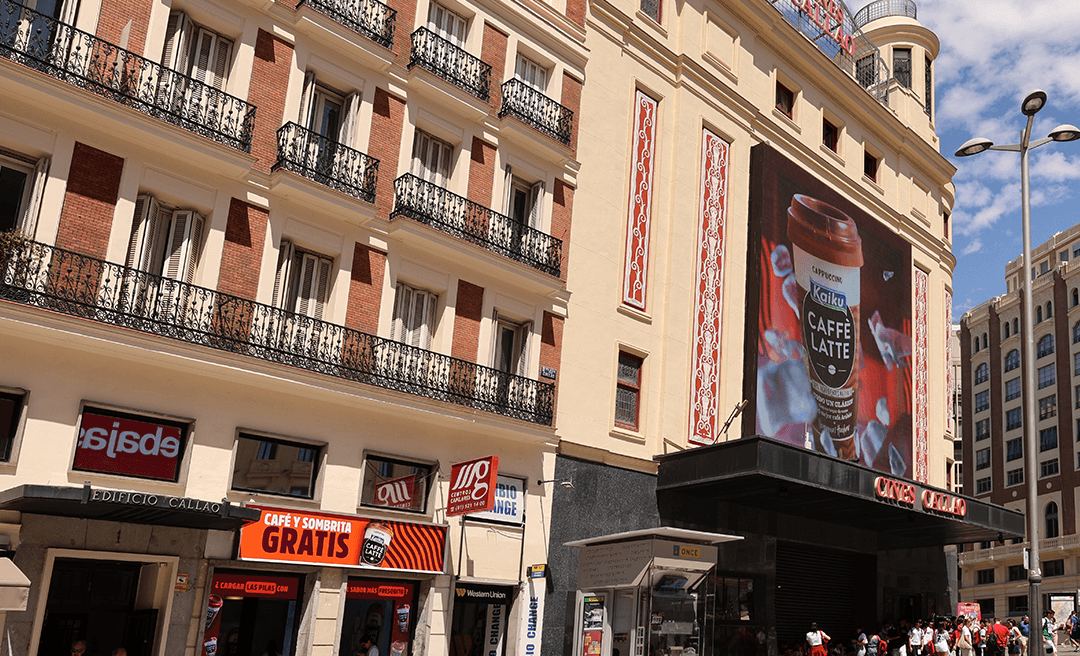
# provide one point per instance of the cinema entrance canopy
(800, 493)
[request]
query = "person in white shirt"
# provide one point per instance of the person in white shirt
(915, 639)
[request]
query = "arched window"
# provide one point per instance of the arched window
(1016, 326)
(1038, 314)
(1052, 520)
(982, 373)
(1045, 346)
(984, 342)
(1012, 360)
(1075, 297)
(1049, 310)
(1005, 330)
(976, 345)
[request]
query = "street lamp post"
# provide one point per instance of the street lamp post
(1034, 101)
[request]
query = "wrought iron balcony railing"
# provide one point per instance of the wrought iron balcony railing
(444, 210)
(327, 162)
(884, 9)
(79, 58)
(371, 18)
(534, 108)
(451, 63)
(43, 276)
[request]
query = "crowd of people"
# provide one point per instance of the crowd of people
(949, 636)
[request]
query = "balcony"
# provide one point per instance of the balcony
(79, 58)
(42, 276)
(450, 62)
(534, 108)
(455, 215)
(327, 162)
(885, 9)
(370, 18)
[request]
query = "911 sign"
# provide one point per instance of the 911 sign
(472, 486)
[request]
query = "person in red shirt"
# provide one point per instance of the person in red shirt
(1003, 637)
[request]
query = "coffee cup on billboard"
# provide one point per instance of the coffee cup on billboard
(213, 607)
(403, 618)
(210, 646)
(377, 540)
(397, 648)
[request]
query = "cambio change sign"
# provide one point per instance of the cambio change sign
(472, 486)
(115, 444)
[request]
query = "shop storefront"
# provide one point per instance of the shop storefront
(481, 615)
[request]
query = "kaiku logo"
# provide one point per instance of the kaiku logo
(827, 297)
(116, 445)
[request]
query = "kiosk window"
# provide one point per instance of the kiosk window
(382, 610)
(252, 613)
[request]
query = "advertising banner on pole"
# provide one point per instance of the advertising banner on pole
(472, 486)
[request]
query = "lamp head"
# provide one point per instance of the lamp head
(974, 147)
(1065, 133)
(1035, 101)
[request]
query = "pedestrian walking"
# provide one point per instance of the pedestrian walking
(817, 639)
(964, 644)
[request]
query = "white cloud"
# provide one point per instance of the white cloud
(973, 247)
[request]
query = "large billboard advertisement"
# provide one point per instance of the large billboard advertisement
(828, 325)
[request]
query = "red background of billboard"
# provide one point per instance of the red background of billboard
(471, 506)
(774, 179)
(128, 464)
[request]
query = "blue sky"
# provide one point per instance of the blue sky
(993, 52)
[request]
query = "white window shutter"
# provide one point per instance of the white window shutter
(68, 11)
(143, 233)
(177, 42)
(322, 287)
(536, 203)
(191, 261)
(508, 191)
(308, 279)
(419, 148)
(348, 120)
(37, 190)
(429, 327)
(222, 57)
(305, 117)
(204, 53)
(402, 308)
(178, 245)
(416, 319)
(523, 335)
(281, 277)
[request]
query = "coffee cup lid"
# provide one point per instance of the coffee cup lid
(824, 231)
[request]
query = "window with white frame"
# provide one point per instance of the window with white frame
(22, 181)
(531, 73)
(327, 112)
(302, 281)
(511, 353)
(448, 24)
(165, 241)
(431, 158)
(194, 50)
(414, 315)
(524, 200)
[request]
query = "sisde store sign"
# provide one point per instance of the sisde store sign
(115, 443)
(472, 486)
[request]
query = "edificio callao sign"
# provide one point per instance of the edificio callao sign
(148, 500)
(905, 493)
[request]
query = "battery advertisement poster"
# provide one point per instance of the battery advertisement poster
(829, 321)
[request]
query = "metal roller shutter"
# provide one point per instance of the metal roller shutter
(831, 587)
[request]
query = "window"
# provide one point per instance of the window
(945, 225)
(275, 466)
(866, 71)
(928, 89)
(1048, 468)
(984, 576)
(531, 73)
(1076, 363)
(1048, 439)
(1053, 567)
(628, 391)
(330, 114)
(1014, 449)
(1038, 314)
(976, 343)
(870, 168)
(651, 8)
(208, 61)
(1014, 418)
(1064, 255)
(21, 183)
(982, 401)
(511, 346)
(982, 373)
(901, 58)
(830, 135)
(785, 100)
(1012, 360)
(1077, 392)
(1045, 346)
(1049, 310)
(164, 241)
(982, 485)
(1048, 407)
(1018, 604)
(414, 316)
(393, 483)
(1044, 267)
(1005, 330)
(1013, 389)
(1046, 376)
(302, 283)
(1075, 297)
(986, 606)
(431, 159)
(1018, 573)
(12, 410)
(982, 459)
(1014, 477)
(447, 24)
(982, 429)
(1076, 333)
(524, 200)
(1051, 517)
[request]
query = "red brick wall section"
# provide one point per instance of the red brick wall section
(562, 211)
(494, 52)
(575, 11)
(482, 173)
(571, 99)
(387, 119)
(365, 289)
(241, 257)
(114, 17)
(403, 26)
(269, 82)
(551, 349)
(467, 314)
(90, 201)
